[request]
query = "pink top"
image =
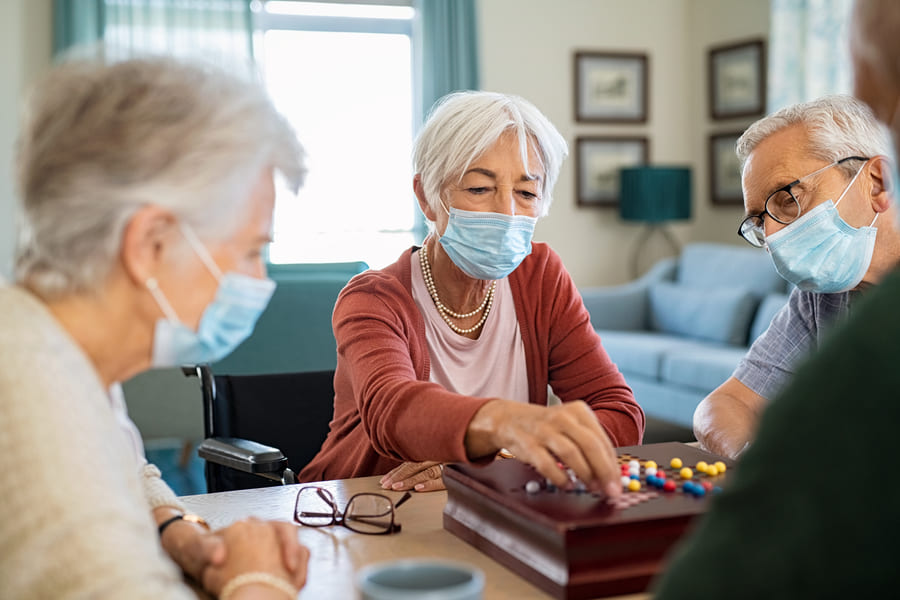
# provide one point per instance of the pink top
(493, 365)
(386, 408)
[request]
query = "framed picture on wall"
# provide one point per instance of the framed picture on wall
(610, 87)
(737, 80)
(597, 164)
(725, 169)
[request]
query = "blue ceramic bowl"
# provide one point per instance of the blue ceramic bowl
(420, 580)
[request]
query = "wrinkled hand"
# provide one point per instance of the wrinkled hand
(544, 436)
(421, 476)
(193, 548)
(255, 545)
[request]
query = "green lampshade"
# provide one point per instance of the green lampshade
(655, 194)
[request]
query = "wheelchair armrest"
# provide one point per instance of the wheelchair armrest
(242, 455)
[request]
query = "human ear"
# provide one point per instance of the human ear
(880, 191)
(144, 240)
(420, 196)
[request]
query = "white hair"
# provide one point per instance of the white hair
(464, 125)
(99, 141)
(838, 126)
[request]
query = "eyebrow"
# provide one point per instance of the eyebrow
(795, 184)
(492, 175)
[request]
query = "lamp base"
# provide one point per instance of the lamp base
(645, 236)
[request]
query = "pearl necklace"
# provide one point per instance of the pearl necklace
(445, 312)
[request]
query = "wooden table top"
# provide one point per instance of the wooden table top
(336, 553)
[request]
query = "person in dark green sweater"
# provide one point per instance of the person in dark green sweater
(813, 509)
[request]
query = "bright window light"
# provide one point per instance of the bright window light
(349, 97)
(326, 9)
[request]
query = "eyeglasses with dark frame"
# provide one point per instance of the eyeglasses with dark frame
(368, 513)
(782, 205)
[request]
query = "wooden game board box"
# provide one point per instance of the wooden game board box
(574, 545)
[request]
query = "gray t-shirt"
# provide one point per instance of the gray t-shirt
(795, 331)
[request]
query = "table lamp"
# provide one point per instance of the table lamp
(654, 195)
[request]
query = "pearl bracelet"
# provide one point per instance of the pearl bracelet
(258, 577)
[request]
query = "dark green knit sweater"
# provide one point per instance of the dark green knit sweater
(813, 510)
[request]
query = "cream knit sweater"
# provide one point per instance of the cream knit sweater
(76, 503)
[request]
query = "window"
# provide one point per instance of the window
(342, 75)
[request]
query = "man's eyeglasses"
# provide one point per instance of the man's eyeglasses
(365, 513)
(782, 205)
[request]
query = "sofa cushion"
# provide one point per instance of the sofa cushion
(718, 315)
(703, 367)
(767, 310)
(638, 352)
(710, 265)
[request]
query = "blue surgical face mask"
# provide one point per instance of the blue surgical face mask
(487, 245)
(227, 321)
(820, 252)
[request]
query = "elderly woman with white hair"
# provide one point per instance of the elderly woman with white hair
(147, 195)
(446, 355)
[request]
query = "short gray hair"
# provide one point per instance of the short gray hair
(838, 126)
(464, 125)
(98, 141)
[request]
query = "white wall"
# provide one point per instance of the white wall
(527, 48)
(25, 49)
(714, 23)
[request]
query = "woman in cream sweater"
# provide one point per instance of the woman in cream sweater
(146, 194)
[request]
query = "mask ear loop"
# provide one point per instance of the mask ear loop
(161, 301)
(850, 185)
(201, 250)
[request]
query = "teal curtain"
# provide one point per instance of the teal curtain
(446, 55)
(447, 44)
(77, 22)
(218, 31)
(808, 51)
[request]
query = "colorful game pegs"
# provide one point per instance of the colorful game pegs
(669, 486)
(702, 466)
(712, 470)
(676, 463)
(695, 489)
(720, 466)
(634, 485)
(650, 465)
(686, 473)
(650, 471)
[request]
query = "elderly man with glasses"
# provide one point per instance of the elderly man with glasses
(816, 183)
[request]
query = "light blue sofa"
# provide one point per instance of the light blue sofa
(679, 331)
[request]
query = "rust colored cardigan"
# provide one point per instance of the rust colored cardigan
(385, 409)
